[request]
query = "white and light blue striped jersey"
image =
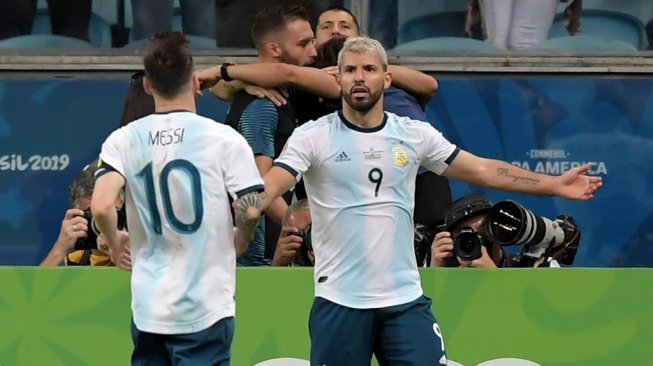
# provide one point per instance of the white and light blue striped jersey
(361, 185)
(180, 169)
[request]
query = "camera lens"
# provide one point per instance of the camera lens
(467, 244)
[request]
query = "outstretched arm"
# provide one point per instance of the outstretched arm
(415, 82)
(573, 184)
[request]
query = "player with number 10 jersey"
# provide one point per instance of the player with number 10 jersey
(179, 169)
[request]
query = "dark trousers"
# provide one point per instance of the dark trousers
(406, 334)
(68, 17)
(211, 346)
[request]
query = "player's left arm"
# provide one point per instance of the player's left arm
(491, 173)
(417, 83)
(107, 188)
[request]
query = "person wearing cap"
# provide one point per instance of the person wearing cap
(467, 211)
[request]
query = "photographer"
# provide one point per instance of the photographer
(475, 231)
(76, 244)
(293, 247)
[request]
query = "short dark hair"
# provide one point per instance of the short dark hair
(327, 53)
(343, 9)
(168, 63)
(274, 18)
(138, 103)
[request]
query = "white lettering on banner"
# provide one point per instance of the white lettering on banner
(560, 166)
(547, 154)
(16, 162)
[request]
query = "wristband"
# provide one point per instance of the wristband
(223, 71)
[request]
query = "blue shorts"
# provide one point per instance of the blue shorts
(211, 346)
(406, 335)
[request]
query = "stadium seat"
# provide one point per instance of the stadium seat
(605, 23)
(443, 24)
(455, 44)
(99, 31)
(195, 42)
(585, 44)
(44, 41)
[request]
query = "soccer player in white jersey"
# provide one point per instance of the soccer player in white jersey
(359, 165)
(178, 169)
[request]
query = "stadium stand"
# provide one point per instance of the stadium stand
(99, 31)
(447, 44)
(44, 41)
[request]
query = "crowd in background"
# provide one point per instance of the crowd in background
(505, 24)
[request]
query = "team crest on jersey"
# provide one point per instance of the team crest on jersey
(400, 156)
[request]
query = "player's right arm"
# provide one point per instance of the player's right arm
(277, 182)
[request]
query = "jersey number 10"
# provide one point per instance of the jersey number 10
(196, 190)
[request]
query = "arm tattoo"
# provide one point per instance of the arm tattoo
(246, 225)
(503, 172)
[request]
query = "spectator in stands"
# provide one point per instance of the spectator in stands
(155, 16)
(519, 24)
(471, 212)
(293, 246)
(69, 18)
(75, 227)
(234, 17)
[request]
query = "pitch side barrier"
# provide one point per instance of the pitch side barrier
(543, 112)
(516, 317)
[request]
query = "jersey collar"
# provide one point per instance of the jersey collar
(361, 129)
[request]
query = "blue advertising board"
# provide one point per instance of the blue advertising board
(50, 128)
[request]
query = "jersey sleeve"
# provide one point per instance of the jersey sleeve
(240, 173)
(258, 124)
(438, 152)
(296, 156)
(110, 153)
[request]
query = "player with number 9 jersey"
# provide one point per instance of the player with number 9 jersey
(180, 169)
(360, 184)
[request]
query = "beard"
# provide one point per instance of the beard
(362, 105)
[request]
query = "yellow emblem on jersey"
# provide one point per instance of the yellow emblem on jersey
(400, 156)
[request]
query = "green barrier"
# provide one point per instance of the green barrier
(509, 317)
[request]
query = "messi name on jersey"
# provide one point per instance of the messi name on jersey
(166, 137)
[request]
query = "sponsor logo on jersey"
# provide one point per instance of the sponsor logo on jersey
(372, 154)
(400, 156)
(342, 157)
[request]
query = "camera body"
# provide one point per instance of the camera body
(467, 243)
(90, 241)
(422, 240)
(307, 245)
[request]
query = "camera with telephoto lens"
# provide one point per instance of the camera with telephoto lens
(509, 223)
(90, 241)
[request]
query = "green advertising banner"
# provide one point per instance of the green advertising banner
(506, 317)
